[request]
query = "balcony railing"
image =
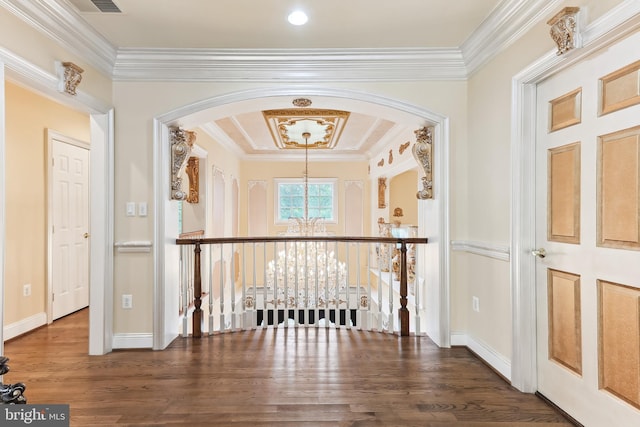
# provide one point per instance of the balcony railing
(351, 282)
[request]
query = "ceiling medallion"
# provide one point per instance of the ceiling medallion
(288, 125)
(301, 102)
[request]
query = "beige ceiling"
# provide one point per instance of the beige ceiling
(262, 24)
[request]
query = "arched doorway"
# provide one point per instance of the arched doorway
(166, 254)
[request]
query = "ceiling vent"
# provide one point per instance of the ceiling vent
(105, 6)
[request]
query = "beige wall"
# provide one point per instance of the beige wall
(268, 171)
(402, 194)
(28, 116)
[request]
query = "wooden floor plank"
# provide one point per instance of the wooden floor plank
(283, 377)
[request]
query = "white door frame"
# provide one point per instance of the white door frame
(21, 71)
(620, 21)
(165, 254)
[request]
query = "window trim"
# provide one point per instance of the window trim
(276, 196)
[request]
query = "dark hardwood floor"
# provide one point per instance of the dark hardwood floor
(304, 377)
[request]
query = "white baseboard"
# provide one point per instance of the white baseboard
(122, 341)
(494, 359)
(20, 327)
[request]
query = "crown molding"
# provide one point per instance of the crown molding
(294, 65)
(23, 72)
(61, 22)
(65, 26)
(506, 24)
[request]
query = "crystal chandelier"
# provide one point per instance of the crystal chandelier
(307, 274)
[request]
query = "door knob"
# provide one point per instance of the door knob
(540, 253)
(85, 235)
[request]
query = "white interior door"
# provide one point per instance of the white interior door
(69, 203)
(587, 221)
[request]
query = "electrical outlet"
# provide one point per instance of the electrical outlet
(26, 290)
(127, 301)
(475, 303)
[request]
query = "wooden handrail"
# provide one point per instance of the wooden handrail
(403, 312)
(219, 240)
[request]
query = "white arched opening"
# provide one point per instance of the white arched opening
(435, 256)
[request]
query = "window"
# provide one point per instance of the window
(290, 199)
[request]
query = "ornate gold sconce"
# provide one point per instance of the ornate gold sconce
(193, 173)
(69, 77)
(423, 153)
(181, 144)
(564, 29)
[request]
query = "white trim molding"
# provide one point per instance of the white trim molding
(133, 246)
(132, 340)
(20, 327)
(620, 21)
(64, 25)
(490, 356)
(491, 250)
(293, 65)
(506, 24)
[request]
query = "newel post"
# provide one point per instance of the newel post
(403, 312)
(197, 294)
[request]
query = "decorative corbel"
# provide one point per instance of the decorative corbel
(382, 188)
(404, 147)
(564, 29)
(193, 172)
(181, 143)
(422, 152)
(69, 77)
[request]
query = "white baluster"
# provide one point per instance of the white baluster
(358, 314)
(391, 323)
(209, 267)
(316, 312)
(223, 325)
(232, 285)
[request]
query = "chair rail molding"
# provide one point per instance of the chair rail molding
(491, 250)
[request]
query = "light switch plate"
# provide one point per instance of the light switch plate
(142, 209)
(131, 209)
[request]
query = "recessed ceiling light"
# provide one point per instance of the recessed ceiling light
(297, 17)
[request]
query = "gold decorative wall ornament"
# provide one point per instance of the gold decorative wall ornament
(404, 147)
(301, 102)
(423, 153)
(69, 77)
(193, 173)
(381, 163)
(323, 126)
(181, 144)
(382, 188)
(390, 156)
(564, 29)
